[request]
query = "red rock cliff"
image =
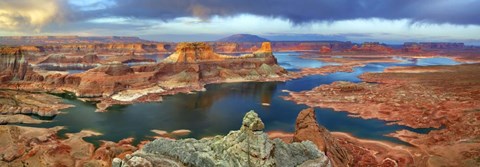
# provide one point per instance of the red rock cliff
(371, 47)
(307, 128)
(13, 65)
(193, 52)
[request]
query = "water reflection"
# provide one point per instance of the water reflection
(221, 108)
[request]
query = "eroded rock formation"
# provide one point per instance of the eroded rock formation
(193, 53)
(40, 147)
(307, 129)
(191, 67)
(18, 102)
(325, 49)
(248, 146)
(63, 62)
(443, 97)
(13, 65)
(371, 48)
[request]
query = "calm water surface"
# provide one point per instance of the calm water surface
(221, 108)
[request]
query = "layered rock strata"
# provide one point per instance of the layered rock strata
(346, 150)
(307, 129)
(40, 147)
(443, 97)
(62, 62)
(13, 65)
(19, 102)
(191, 67)
(248, 146)
(371, 48)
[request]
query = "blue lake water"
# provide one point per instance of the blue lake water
(156, 57)
(291, 61)
(221, 108)
(75, 71)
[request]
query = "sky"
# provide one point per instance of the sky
(388, 21)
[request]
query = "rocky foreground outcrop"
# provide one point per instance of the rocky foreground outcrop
(41, 147)
(18, 102)
(307, 129)
(248, 146)
(345, 150)
(442, 97)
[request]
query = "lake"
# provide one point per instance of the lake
(221, 108)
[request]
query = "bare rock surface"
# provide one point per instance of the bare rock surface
(307, 129)
(249, 146)
(19, 102)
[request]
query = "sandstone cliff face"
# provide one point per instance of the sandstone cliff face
(248, 146)
(15, 67)
(40, 147)
(435, 45)
(325, 49)
(412, 48)
(297, 46)
(191, 67)
(193, 53)
(371, 48)
(194, 64)
(203, 64)
(63, 62)
(105, 80)
(99, 47)
(19, 102)
(307, 129)
(42, 40)
(227, 47)
(230, 47)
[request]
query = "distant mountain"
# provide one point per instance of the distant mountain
(243, 38)
(40, 40)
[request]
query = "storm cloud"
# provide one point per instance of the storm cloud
(172, 20)
(462, 12)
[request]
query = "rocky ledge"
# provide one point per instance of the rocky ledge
(19, 102)
(192, 66)
(249, 146)
(307, 129)
(41, 147)
(442, 97)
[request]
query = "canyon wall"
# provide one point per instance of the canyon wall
(371, 48)
(14, 66)
(103, 47)
(434, 45)
(229, 47)
(43, 40)
(190, 67)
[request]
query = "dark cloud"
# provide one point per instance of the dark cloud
(300, 11)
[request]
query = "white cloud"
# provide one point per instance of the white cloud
(379, 29)
(87, 5)
(28, 14)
